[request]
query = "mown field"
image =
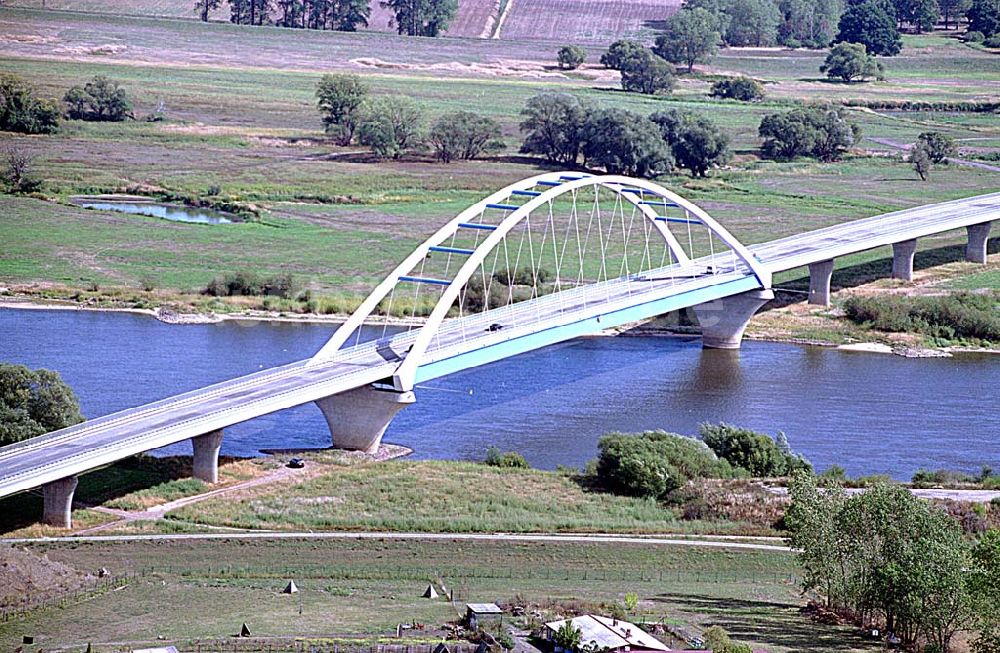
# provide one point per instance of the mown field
(200, 590)
(241, 115)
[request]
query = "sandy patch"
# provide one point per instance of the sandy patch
(868, 347)
(500, 68)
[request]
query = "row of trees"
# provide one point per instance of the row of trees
(392, 125)
(889, 559)
(23, 111)
(412, 17)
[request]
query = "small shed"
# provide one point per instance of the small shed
(609, 634)
(479, 615)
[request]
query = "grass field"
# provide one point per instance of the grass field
(195, 590)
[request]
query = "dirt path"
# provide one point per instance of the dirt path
(888, 142)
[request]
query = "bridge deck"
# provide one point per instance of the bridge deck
(461, 343)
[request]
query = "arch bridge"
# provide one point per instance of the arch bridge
(544, 260)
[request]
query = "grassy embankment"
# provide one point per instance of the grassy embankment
(204, 590)
(241, 116)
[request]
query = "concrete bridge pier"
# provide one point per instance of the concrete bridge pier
(358, 418)
(57, 501)
(979, 235)
(206, 456)
(902, 259)
(820, 274)
(724, 320)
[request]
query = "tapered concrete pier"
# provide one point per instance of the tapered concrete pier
(902, 259)
(723, 321)
(206, 456)
(358, 418)
(820, 275)
(979, 236)
(57, 498)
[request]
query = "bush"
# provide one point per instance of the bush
(233, 284)
(654, 463)
(966, 315)
(571, 57)
(849, 62)
(993, 41)
(647, 73)
(820, 132)
(508, 459)
(392, 126)
(974, 37)
(743, 89)
(99, 100)
(757, 453)
(21, 111)
(17, 173)
(695, 142)
(624, 143)
(464, 135)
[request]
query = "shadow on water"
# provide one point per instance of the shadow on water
(780, 624)
(862, 273)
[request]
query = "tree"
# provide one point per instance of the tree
(690, 38)
(33, 403)
(203, 7)
(921, 160)
(464, 135)
(873, 24)
(984, 588)
(850, 61)
(695, 142)
(921, 14)
(624, 143)
(984, 17)
(17, 175)
(568, 637)
(647, 73)
(619, 52)
(553, 122)
(809, 23)
(340, 98)
(757, 453)
(821, 132)
(571, 56)
(250, 12)
(952, 9)
(422, 17)
(743, 89)
(939, 146)
(100, 99)
(753, 22)
(810, 523)
(22, 111)
(392, 125)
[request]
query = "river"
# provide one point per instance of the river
(870, 413)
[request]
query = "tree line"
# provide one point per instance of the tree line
(410, 17)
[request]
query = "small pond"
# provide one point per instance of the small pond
(174, 212)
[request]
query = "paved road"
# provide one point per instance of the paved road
(603, 538)
(104, 440)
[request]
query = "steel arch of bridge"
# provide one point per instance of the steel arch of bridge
(633, 191)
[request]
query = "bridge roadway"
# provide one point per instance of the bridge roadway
(461, 343)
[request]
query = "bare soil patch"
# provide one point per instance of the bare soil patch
(28, 578)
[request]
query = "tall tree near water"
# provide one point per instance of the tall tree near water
(422, 17)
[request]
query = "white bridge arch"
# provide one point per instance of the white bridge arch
(499, 214)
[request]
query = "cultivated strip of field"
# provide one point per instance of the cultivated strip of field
(600, 21)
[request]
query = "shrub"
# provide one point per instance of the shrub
(571, 57)
(820, 132)
(647, 73)
(743, 89)
(392, 126)
(624, 143)
(973, 36)
(654, 463)
(962, 315)
(464, 135)
(17, 173)
(22, 111)
(99, 100)
(234, 284)
(849, 62)
(695, 142)
(993, 41)
(757, 453)
(508, 459)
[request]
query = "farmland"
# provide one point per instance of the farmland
(599, 21)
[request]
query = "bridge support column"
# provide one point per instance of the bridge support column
(724, 320)
(902, 259)
(979, 235)
(358, 418)
(820, 274)
(206, 456)
(57, 501)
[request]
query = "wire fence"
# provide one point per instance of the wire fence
(92, 588)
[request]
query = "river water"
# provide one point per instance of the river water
(870, 413)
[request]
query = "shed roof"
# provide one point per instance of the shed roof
(484, 608)
(611, 634)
